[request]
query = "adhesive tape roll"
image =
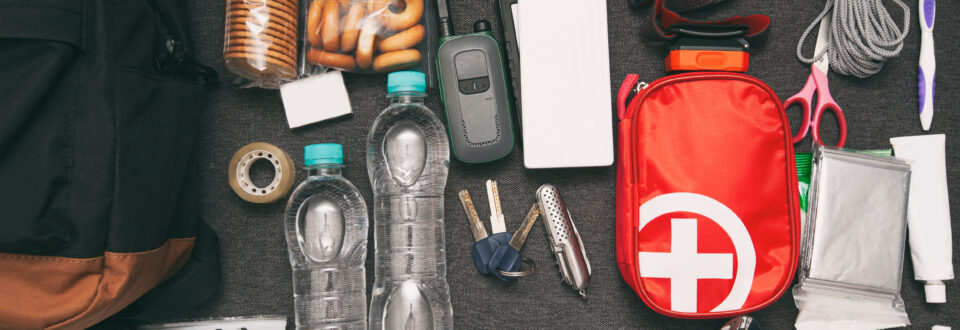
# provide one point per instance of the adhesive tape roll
(239, 172)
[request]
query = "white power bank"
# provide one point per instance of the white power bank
(567, 117)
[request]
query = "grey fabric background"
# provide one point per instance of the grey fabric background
(256, 271)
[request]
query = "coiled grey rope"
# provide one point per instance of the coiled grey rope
(862, 38)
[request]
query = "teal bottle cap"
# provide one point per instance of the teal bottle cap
(323, 153)
(407, 81)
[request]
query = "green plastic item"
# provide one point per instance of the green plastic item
(804, 160)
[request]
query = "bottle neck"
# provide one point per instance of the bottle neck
(406, 97)
(324, 169)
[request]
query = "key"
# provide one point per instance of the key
(497, 226)
(507, 257)
(483, 246)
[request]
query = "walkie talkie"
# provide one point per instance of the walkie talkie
(474, 91)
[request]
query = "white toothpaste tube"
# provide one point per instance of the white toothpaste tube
(928, 214)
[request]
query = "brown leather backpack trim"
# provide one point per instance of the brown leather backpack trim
(72, 293)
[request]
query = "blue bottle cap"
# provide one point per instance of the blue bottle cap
(407, 81)
(323, 153)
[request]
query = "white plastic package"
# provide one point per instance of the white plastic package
(853, 246)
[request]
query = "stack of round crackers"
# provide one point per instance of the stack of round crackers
(260, 39)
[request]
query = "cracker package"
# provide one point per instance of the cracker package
(260, 41)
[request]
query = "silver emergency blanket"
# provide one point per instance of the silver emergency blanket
(853, 240)
(857, 219)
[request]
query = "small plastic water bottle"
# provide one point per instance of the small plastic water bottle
(407, 159)
(326, 229)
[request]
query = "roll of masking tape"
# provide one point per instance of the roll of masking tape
(283, 173)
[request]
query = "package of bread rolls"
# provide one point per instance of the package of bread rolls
(374, 36)
(260, 41)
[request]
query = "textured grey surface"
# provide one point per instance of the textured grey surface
(256, 271)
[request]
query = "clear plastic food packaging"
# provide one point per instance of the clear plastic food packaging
(260, 41)
(362, 35)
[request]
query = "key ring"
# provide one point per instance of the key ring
(530, 270)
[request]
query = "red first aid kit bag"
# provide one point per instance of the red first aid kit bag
(707, 201)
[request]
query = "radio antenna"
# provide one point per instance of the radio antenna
(446, 25)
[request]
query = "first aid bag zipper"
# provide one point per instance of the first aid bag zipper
(630, 81)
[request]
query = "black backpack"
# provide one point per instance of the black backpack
(99, 212)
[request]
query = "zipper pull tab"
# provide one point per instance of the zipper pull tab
(641, 86)
(173, 58)
(624, 92)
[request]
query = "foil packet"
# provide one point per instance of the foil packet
(853, 242)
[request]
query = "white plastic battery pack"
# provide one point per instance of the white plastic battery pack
(567, 117)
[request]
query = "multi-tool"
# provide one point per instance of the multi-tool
(564, 239)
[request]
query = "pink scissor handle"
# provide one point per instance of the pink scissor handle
(818, 114)
(804, 99)
(825, 102)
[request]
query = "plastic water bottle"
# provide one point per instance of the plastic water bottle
(326, 229)
(407, 159)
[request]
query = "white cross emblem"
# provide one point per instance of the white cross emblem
(684, 266)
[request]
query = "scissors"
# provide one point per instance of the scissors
(817, 84)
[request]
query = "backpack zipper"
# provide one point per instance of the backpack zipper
(174, 57)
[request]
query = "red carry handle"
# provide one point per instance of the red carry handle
(624, 92)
